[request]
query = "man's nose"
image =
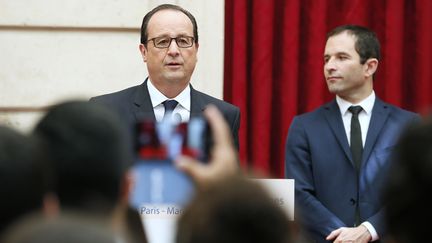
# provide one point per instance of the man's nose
(173, 48)
(329, 65)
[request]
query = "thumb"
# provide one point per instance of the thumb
(190, 166)
(333, 234)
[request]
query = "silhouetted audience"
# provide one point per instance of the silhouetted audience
(65, 229)
(135, 226)
(233, 211)
(82, 162)
(86, 146)
(22, 184)
(409, 184)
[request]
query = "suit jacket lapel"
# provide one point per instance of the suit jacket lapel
(142, 106)
(197, 104)
(334, 119)
(380, 113)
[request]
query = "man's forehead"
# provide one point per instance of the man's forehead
(165, 15)
(345, 36)
(168, 21)
(343, 42)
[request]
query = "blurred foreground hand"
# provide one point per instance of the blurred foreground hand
(223, 156)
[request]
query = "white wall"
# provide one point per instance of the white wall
(54, 50)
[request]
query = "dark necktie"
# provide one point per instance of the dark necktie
(356, 151)
(356, 136)
(169, 107)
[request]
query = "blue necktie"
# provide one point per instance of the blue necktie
(169, 107)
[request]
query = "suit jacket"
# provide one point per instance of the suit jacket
(133, 104)
(319, 158)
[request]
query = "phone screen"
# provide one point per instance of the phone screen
(159, 182)
(156, 179)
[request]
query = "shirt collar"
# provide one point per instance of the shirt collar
(157, 97)
(367, 104)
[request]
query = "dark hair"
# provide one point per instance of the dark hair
(232, 211)
(147, 17)
(366, 45)
(22, 183)
(71, 227)
(410, 180)
(135, 226)
(88, 151)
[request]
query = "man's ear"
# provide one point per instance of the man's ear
(370, 66)
(196, 46)
(143, 51)
(126, 186)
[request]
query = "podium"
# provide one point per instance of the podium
(282, 191)
(160, 219)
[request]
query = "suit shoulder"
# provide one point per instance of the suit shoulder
(223, 105)
(114, 97)
(403, 111)
(402, 114)
(313, 115)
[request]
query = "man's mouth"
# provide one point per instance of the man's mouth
(173, 64)
(333, 78)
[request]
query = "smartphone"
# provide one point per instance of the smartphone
(156, 179)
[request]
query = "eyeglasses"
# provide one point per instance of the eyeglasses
(165, 42)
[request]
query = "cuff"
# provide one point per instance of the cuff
(371, 230)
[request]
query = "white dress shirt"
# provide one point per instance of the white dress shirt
(364, 116)
(364, 119)
(183, 99)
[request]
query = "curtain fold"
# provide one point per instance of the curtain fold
(274, 63)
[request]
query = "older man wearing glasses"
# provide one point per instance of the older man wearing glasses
(169, 46)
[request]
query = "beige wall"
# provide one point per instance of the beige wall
(55, 50)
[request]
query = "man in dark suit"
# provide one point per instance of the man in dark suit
(169, 45)
(339, 153)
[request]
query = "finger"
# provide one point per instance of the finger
(333, 234)
(219, 127)
(190, 166)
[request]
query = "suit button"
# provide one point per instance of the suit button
(352, 201)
